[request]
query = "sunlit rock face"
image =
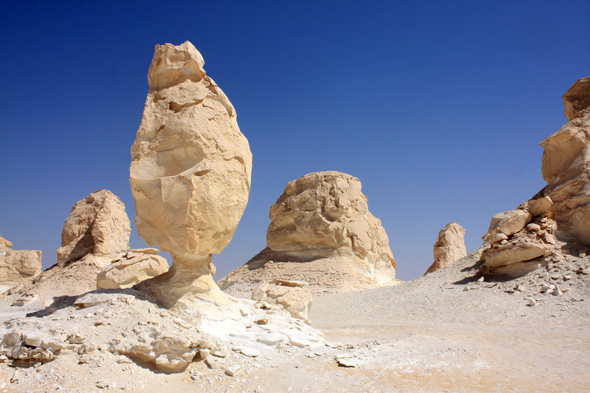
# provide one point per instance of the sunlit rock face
(566, 165)
(323, 220)
(17, 266)
(521, 240)
(190, 171)
(98, 225)
(449, 247)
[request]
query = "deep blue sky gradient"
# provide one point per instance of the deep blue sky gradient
(436, 106)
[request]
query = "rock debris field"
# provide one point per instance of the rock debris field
(319, 309)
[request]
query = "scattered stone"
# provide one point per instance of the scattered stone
(250, 352)
(347, 362)
(232, 370)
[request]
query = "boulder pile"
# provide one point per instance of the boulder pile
(528, 237)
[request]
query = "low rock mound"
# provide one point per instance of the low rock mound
(132, 268)
(322, 232)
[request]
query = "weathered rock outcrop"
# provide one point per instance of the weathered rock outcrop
(291, 295)
(132, 268)
(561, 210)
(449, 247)
(17, 266)
(97, 225)
(323, 220)
(190, 174)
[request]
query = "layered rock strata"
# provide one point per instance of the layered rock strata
(521, 240)
(190, 174)
(132, 268)
(322, 231)
(17, 266)
(449, 247)
(98, 225)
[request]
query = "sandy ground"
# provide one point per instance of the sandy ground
(427, 335)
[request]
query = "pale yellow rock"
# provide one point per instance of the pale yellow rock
(130, 269)
(97, 225)
(323, 220)
(577, 98)
(190, 173)
(511, 254)
(295, 299)
(4, 243)
(566, 165)
(537, 206)
(506, 223)
(449, 247)
(17, 266)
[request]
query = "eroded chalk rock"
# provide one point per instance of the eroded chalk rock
(17, 266)
(292, 297)
(97, 225)
(322, 231)
(566, 165)
(449, 247)
(132, 268)
(577, 98)
(190, 174)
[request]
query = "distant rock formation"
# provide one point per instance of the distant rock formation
(17, 266)
(97, 225)
(190, 174)
(520, 240)
(449, 247)
(323, 220)
(132, 268)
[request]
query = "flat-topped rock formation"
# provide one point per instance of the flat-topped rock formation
(322, 232)
(449, 247)
(17, 266)
(522, 240)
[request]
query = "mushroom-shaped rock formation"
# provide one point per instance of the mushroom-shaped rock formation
(449, 247)
(97, 225)
(521, 240)
(190, 175)
(321, 219)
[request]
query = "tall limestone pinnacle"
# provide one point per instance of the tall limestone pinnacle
(190, 174)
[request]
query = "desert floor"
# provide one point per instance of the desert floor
(445, 332)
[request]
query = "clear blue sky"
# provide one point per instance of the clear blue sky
(436, 106)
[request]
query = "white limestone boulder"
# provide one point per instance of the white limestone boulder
(132, 268)
(98, 225)
(449, 247)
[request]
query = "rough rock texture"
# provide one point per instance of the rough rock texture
(577, 98)
(561, 210)
(190, 174)
(322, 231)
(289, 294)
(17, 266)
(449, 247)
(97, 225)
(566, 165)
(132, 268)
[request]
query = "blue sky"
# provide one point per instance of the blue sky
(436, 106)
